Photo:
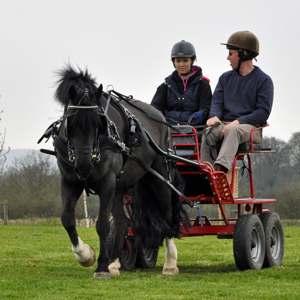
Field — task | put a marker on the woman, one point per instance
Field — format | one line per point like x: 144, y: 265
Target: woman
x: 185, y: 96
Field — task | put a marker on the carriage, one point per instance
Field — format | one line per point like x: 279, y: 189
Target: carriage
x: 107, y: 143
x: 257, y: 233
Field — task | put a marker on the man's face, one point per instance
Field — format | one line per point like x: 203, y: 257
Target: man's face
x: 233, y: 57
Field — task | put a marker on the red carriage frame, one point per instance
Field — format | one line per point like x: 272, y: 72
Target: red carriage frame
x: 258, y: 238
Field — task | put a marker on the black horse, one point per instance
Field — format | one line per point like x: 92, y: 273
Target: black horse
x: 106, y: 146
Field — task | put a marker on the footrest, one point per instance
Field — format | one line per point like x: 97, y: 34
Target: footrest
x: 221, y: 186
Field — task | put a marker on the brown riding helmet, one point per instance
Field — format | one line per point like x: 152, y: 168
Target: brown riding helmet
x: 245, y: 40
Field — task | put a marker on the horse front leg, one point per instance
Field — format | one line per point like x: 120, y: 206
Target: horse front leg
x: 103, y: 226
x: 84, y: 254
x: 170, y: 266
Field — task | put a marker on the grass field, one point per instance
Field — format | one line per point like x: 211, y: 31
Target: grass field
x: 36, y: 262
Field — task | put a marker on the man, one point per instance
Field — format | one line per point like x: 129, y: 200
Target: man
x: 241, y: 102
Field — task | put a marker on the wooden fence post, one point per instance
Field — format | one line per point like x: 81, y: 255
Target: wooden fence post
x: 87, y: 220
x: 5, y: 212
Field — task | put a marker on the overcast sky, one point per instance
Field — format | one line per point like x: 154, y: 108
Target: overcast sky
x: 127, y: 43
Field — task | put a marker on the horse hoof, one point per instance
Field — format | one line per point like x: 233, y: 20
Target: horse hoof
x: 91, y: 260
x: 170, y: 271
x: 102, y: 275
x: 114, y: 271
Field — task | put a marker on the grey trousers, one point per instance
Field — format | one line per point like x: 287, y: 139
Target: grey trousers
x: 234, y: 136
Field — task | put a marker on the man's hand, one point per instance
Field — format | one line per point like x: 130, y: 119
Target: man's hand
x: 212, y: 121
x: 227, y: 126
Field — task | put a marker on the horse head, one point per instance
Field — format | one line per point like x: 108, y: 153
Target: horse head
x: 84, y: 123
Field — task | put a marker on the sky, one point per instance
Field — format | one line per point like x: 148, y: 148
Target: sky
x: 127, y: 44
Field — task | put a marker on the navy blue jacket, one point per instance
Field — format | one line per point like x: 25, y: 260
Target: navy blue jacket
x: 177, y: 103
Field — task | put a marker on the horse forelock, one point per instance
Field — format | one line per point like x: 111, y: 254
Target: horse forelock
x: 69, y: 77
x: 86, y: 120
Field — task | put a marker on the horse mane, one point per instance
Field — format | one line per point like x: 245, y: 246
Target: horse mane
x: 68, y: 77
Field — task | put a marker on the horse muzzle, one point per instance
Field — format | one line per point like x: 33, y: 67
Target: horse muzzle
x: 84, y: 159
x: 83, y: 166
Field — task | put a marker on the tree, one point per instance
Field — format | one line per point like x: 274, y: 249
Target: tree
x: 32, y: 187
x: 294, y: 151
x: 271, y: 171
x: 288, y: 201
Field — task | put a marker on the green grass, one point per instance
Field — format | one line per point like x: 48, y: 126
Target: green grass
x: 36, y: 262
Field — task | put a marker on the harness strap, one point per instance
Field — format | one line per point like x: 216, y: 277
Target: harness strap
x: 152, y: 171
x: 87, y: 189
x: 125, y: 98
x: 218, y: 145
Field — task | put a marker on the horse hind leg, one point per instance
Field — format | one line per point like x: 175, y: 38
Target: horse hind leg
x: 159, y: 191
x: 120, y: 223
x: 170, y: 266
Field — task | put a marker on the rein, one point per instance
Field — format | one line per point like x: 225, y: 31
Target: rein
x: 127, y: 100
x: 114, y: 138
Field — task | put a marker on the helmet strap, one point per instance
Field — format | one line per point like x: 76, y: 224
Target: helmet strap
x: 244, y: 57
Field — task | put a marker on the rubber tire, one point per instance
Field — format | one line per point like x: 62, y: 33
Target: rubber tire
x: 249, y: 243
x: 146, y: 258
x: 128, y: 256
x: 274, y: 234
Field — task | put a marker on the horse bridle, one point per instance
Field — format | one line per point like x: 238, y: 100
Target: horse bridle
x: 94, y: 149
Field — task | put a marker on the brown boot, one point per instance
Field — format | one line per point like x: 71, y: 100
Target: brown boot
x: 220, y: 168
x: 210, y: 165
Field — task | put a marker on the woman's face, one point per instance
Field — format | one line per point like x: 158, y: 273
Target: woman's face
x: 183, y: 65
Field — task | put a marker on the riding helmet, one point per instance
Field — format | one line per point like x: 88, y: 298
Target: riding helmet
x: 183, y: 49
x: 244, y: 40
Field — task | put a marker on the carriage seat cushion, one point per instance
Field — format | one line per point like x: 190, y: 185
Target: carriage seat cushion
x: 183, y: 129
x: 183, y: 151
x: 247, y: 146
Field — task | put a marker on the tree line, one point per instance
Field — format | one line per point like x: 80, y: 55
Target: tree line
x: 32, y: 184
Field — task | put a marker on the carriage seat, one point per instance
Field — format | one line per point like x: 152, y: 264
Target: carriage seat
x: 251, y: 147
x: 185, y: 140
x: 247, y: 147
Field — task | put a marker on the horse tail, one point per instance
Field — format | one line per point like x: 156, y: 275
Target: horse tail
x: 148, y: 224
x: 180, y: 215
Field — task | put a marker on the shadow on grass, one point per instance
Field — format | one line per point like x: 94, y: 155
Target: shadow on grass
x: 208, y: 269
x: 196, y: 269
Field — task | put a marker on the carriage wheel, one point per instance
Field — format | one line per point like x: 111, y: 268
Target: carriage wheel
x: 128, y: 255
x: 146, y: 258
x: 274, y: 239
x: 249, y: 242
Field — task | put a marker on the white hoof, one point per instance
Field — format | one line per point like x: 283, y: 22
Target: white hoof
x: 170, y: 271
x: 114, y: 267
x: 91, y: 260
x: 84, y: 253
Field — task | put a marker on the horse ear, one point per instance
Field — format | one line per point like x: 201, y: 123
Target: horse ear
x: 99, y: 91
x: 72, y: 92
